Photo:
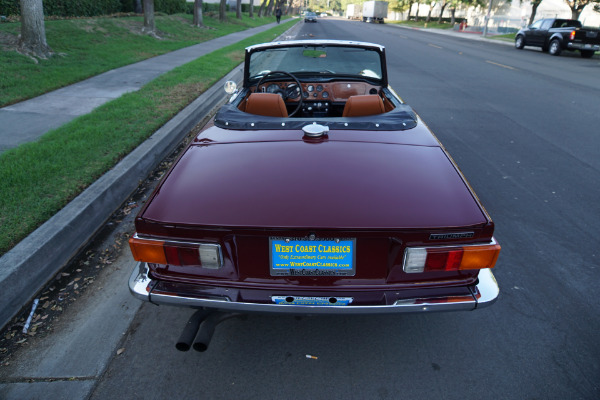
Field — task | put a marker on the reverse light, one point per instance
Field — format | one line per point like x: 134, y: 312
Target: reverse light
x: 207, y: 255
x: 450, y: 258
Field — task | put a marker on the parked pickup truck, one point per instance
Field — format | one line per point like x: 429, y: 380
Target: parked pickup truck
x: 554, y: 35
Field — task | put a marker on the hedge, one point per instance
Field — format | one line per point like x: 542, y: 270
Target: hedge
x: 207, y: 7
x: 90, y: 8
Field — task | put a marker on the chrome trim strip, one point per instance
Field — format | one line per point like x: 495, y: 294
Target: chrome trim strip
x: 487, y: 289
x: 317, y: 42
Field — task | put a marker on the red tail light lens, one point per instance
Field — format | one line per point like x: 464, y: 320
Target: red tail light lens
x: 207, y: 255
x: 450, y: 258
x: 573, y: 35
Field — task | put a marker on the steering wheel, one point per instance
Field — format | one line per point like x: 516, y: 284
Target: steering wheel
x: 287, y: 93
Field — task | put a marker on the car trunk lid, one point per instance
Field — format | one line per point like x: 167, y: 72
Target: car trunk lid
x: 326, y: 185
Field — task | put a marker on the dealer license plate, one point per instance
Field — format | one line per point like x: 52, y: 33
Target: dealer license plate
x: 319, y: 257
x: 312, y: 301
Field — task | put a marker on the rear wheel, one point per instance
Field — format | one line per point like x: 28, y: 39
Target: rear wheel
x: 519, y: 42
x: 554, y: 48
x: 587, y: 53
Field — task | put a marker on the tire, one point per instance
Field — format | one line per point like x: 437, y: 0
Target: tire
x: 554, y: 48
x: 587, y: 53
x: 519, y: 42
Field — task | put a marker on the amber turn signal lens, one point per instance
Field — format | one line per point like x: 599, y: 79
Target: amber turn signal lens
x: 479, y: 257
x: 150, y: 251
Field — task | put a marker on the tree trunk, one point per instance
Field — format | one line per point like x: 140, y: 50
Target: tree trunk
x: 238, y: 9
x: 198, y: 18
x: 262, y: 7
x: 149, y: 26
x: 137, y: 7
x: 417, y: 14
x: 33, y: 31
x: 251, y: 9
x: 222, y: 9
x: 428, y: 16
x: 534, y: 6
x: 442, y: 13
x: 270, y: 8
x: 452, y: 13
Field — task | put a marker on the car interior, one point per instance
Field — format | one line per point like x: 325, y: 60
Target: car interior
x: 334, y: 99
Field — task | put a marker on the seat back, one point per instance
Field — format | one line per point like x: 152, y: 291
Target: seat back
x: 266, y: 104
x: 358, y: 106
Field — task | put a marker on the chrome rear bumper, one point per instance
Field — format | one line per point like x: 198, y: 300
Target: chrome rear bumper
x: 484, y: 294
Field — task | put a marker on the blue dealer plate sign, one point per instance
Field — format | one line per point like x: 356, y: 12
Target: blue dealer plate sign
x: 319, y: 257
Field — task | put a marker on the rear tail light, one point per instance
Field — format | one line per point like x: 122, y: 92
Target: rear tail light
x: 450, y: 258
x: 573, y: 35
x: 207, y: 255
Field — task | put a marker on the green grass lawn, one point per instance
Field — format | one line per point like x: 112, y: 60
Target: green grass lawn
x: 421, y: 24
x: 89, y: 46
x: 37, y: 179
x: 508, y: 37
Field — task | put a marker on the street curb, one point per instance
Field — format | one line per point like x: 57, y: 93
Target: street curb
x: 26, y: 268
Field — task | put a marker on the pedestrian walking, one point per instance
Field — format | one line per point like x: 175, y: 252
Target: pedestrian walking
x: 278, y: 14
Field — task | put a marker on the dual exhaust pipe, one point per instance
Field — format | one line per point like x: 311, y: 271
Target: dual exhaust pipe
x: 199, y: 330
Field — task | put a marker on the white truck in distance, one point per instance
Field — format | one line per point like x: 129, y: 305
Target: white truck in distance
x: 353, y: 11
x: 375, y: 11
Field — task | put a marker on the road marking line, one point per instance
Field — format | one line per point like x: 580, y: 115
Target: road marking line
x: 500, y: 65
x: 437, y: 47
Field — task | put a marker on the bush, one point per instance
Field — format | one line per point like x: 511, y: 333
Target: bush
x: 10, y: 7
x: 170, y: 6
x: 436, y: 18
x: 206, y: 8
x: 128, y: 6
x: 246, y: 8
x: 91, y: 8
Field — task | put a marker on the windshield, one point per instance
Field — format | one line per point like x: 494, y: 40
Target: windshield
x: 317, y: 60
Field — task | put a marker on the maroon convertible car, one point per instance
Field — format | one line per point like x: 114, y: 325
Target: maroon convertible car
x: 316, y: 190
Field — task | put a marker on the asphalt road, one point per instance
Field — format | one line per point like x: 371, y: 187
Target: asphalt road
x: 523, y: 126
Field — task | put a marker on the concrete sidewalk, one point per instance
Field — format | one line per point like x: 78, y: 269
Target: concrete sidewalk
x: 27, y: 121
x: 26, y: 268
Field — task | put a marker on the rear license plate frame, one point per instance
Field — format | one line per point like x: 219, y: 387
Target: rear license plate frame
x: 312, y: 257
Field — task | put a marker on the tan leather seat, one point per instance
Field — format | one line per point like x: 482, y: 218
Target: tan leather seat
x: 358, y: 106
x: 266, y: 104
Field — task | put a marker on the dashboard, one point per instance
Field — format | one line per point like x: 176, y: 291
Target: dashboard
x: 328, y: 91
